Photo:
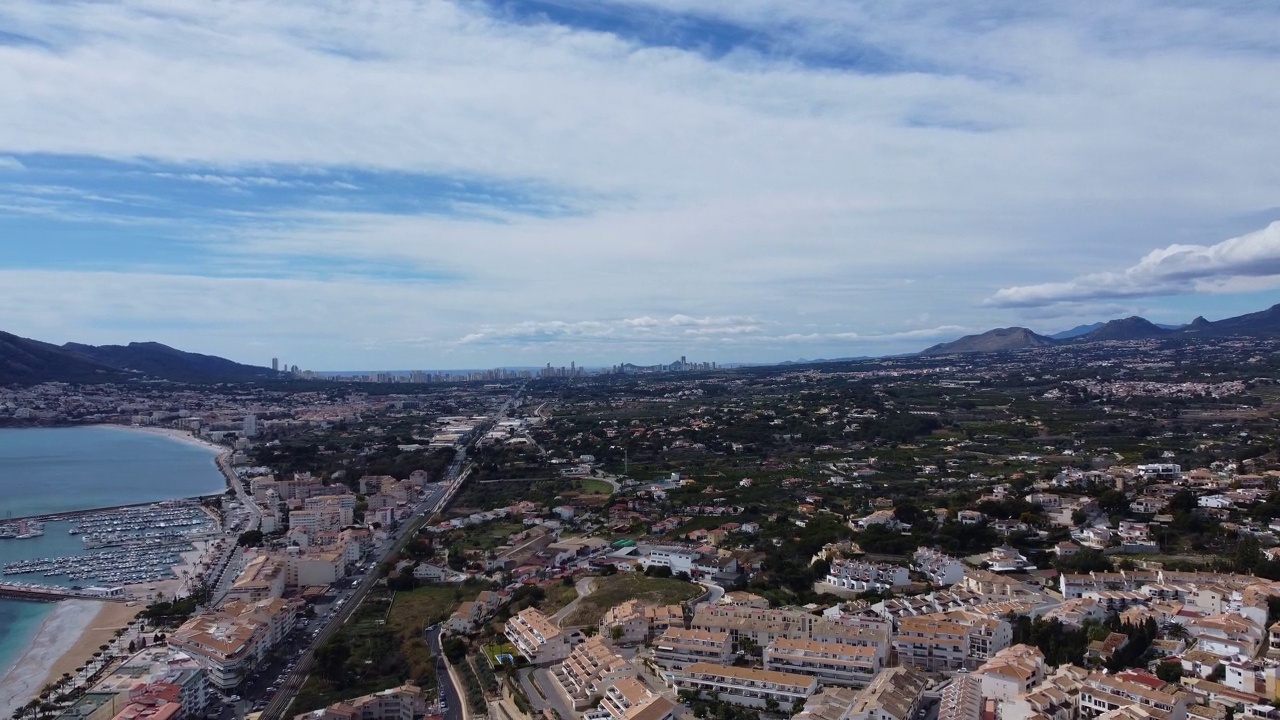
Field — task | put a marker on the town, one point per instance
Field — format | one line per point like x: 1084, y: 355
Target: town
x: 1062, y: 533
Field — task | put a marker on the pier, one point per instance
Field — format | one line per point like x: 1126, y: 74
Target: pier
x: 72, y: 515
x: 51, y: 593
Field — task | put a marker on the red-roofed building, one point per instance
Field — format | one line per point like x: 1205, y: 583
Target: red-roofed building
x: 157, y: 701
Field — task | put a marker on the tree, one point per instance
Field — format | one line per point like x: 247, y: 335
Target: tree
x: 331, y: 660
x: 455, y: 650
x: 250, y: 538
x: 1113, y: 502
x: 1169, y: 671
x: 1248, y: 555
x: 615, y: 633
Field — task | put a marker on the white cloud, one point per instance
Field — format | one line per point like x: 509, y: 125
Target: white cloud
x: 825, y: 204
x: 10, y: 163
x: 1242, y: 264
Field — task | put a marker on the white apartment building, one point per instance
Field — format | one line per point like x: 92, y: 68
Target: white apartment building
x: 761, y: 627
x: 161, y: 664
x: 961, y: 699
x: 231, y: 642
x: 263, y: 577
x: 748, y: 687
x: 635, y: 622
x: 950, y: 641
x: 941, y: 569
x: 406, y: 702
x: 538, y: 638
x: 1101, y: 693
x: 678, y: 648
x: 629, y: 699
x: 590, y: 668
x: 832, y: 663
x: 1011, y: 672
x: 862, y: 576
x: 314, y: 568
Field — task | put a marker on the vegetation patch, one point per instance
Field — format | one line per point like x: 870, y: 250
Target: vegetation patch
x: 617, y: 589
x: 592, y: 486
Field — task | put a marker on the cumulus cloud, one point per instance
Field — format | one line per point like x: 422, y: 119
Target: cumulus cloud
x: 1241, y: 263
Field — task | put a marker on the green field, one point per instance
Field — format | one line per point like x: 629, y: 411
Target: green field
x: 617, y: 589
x: 414, y: 610
x: 591, y: 486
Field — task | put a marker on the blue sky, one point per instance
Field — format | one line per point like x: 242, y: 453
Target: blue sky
x: 453, y: 184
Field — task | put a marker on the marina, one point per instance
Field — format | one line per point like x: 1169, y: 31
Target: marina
x: 124, y: 546
x: 22, y: 530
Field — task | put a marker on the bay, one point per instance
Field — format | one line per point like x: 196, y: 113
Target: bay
x: 55, y: 470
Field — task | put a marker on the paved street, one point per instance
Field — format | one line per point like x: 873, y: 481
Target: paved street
x: 293, y: 680
x: 448, y: 691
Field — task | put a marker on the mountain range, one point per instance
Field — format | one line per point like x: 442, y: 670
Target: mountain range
x: 24, y: 361
x: 1265, y: 323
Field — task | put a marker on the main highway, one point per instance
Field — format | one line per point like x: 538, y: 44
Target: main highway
x: 434, y: 502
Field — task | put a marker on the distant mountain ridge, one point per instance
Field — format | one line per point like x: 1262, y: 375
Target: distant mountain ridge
x: 1076, y: 331
x: 1130, y: 328
x: 998, y: 340
x: 1264, y: 323
x: 27, y: 361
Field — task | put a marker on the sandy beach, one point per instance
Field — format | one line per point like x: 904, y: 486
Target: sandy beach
x: 77, y: 628
x: 100, y: 631
x: 68, y: 628
x: 175, y: 434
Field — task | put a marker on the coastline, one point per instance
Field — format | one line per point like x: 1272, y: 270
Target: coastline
x: 69, y: 636
x: 183, y: 436
x: 99, y: 631
x: 65, y: 630
x: 75, y: 629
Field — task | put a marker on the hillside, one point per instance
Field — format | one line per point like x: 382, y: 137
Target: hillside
x: 25, y: 361
x: 1076, y: 331
x: 999, y: 340
x: 161, y: 361
x: 1264, y: 323
x: 1130, y: 328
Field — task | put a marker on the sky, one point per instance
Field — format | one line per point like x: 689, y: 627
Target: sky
x: 450, y: 184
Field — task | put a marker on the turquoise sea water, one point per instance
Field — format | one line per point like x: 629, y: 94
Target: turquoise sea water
x: 48, y: 470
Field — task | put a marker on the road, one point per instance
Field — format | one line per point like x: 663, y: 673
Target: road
x: 434, y: 502
x: 449, y: 692
x: 585, y: 587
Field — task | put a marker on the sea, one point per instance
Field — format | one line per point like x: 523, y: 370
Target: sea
x: 53, y: 470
